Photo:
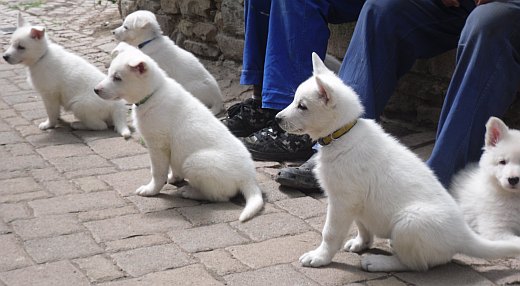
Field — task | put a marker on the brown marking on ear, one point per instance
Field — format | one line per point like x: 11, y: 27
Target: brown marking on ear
x: 37, y: 33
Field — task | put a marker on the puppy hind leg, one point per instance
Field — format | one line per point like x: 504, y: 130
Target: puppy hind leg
x: 382, y: 263
x: 362, y: 241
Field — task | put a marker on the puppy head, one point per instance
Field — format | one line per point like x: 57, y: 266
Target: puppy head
x: 28, y: 44
x: 132, y: 76
x: 138, y: 27
x: 321, y: 105
x: 501, y: 157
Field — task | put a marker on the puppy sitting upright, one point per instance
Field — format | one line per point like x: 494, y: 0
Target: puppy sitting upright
x: 378, y: 183
x: 489, y: 193
x: 141, y: 29
x: 181, y: 134
x: 64, y: 79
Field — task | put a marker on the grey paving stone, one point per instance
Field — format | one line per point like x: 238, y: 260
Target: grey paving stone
x: 62, y: 247
x: 21, y: 149
x: 316, y: 222
x: 77, y: 203
x: 10, y: 138
x: 272, y: 190
x: 111, y: 148
x: 89, y: 136
x: 46, y: 174
x: 141, y: 261
x: 91, y: 184
x: 499, y: 274
x: 221, y: 262
x: 68, y: 164
x: 132, y: 162
x: 90, y: 172
x: 106, y: 213
x: 18, y: 185
x: 449, y: 274
x: 64, y: 151
x: 211, y: 213
x: 24, y: 197
x: 415, y: 140
x: 12, y: 255
x: 275, y: 251
x: 99, y: 268
x: 47, y: 226
x: 190, y: 275
x: 61, y: 187
x: 27, y: 130
x: 280, y: 275
x: 162, y: 201
x: 206, y: 238
x: 424, y: 152
x: 4, y: 228
x: 127, y: 182
x: 134, y: 242
x: 271, y: 226
x: 136, y: 224
x: 10, y: 212
x: 22, y: 163
x: 52, y: 138
x: 60, y: 273
x: 304, y: 207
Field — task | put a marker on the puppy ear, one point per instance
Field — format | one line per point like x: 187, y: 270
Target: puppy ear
x: 21, y: 20
x: 323, y: 90
x: 138, y: 65
x: 496, y: 130
x: 141, y: 22
x: 37, y: 33
x: 318, y: 66
x: 115, y: 52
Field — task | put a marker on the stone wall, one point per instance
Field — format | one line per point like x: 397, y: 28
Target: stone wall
x: 214, y: 29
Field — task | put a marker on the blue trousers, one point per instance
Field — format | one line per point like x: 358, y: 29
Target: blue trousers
x: 391, y: 34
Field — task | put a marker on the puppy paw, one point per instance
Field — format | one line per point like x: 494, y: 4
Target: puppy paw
x: 356, y: 245
x: 77, y: 125
x: 315, y: 258
x: 147, y: 190
x: 126, y: 133
x: 382, y: 263
x: 46, y: 125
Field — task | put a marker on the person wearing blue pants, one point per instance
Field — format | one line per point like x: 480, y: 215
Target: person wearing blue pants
x: 280, y: 36
x: 391, y: 34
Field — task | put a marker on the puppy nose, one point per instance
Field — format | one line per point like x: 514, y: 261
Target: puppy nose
x: 97, y: 90
x: 6, y: 57
x: 278, y: 119
x: 513, y: 180
x: 113, y: 32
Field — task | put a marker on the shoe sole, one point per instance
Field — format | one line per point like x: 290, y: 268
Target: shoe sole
x: 279, y: 157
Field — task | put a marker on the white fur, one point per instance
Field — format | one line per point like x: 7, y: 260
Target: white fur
x: 179, y: 64
x: 373, y: 180
x: 181, y: 134
x: 491, y: 204
x: 64, y: 79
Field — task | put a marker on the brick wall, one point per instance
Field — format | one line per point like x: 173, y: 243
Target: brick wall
x: 214, y: 29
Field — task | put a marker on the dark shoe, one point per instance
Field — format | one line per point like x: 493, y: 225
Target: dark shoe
x: 247, y: 117
x: 299, y: 177
x: 274, y: 144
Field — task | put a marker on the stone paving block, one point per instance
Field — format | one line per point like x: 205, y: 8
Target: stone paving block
x: 60, y: 273
x: 10, y: 212
x: 52, y: 138
x: 271, y: 226
x: 136, y: 224
x: 273, y: 192
x: 4, y: 228
x: 134, y: 242
x: 449, y: 274
x: 133, y: 162
x: 63, y: 151
x: 99, y: 268
x: 221, y: 262
x: 24, y: 197
x: 47, y: 226
x: 61, y: 188
x: 499, y: 274
x: 117, y: 147
x: 275, y: 251
x: 38, y: 115
x: 91, y: 184
x: 10, y: 138
x: 21, y: 149
x: 415, y: 140
x: 79, y: 163
x: 385, y: 281
x: 90, y: 135
x: 46, y: 174
x: 280, y: 275
x: 424, y: 152
x: 12, y: 255
x: 28, y: 162
x: 141, y: 261
x: 192, y: 275
x: 304, y: 207
x: 76, y: 203
x: 106, y: 213
x: 316, y: 222
x: 90, y: 172
x: 27, y: 130
x: 127, y: 182
x: 62, y: 247
x: 211, y: 213
x: 206, y: 238
x: 160, y: 202
x: 344, y: 269
x: 18, y: 185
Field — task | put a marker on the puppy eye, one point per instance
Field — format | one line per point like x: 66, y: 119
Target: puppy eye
x: 302, y: 107
x: 125, y: 27
x: 502, y: 162
x: 20, y: 47
x: 116, y: 78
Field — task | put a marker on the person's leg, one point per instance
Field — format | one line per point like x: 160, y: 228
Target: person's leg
x: 296, y: 29
x: 484, y: 84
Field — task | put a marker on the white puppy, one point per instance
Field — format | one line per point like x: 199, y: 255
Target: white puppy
x: 373, y: 180
x: 181, y: 134
x: 489, y: 194
x: 141, y: 29
x: 64, y: 79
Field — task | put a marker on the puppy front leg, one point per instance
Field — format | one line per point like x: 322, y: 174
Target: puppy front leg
x: 52, y: 106
x: 160, y: 160
x: 336, y: 228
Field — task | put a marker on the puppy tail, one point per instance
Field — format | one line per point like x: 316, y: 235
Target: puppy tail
x: 477, y: 246
x: 119, y: 118
x: 254, y: 201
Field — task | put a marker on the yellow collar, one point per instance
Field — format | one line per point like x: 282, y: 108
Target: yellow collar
x: 336, y: 134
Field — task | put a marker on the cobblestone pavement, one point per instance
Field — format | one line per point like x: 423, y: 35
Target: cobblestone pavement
x: 69, y: 215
